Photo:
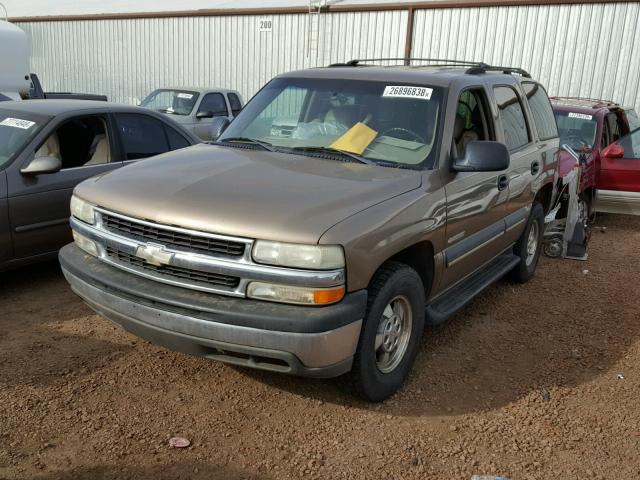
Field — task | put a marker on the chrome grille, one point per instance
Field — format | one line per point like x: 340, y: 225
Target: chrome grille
x: 172, y: 238
x: 172, y: 271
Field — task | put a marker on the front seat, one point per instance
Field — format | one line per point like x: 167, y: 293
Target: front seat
x: 461, y: 136
x: 50, y: 148
x: 99, y: 151
x: 345, y: 115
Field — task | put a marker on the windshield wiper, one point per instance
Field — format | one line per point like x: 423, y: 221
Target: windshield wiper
x: 265, y: 145
x: 335, y: 151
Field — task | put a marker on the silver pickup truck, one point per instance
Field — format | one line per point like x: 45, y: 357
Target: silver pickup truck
x: 323, y: 248
x: 195, y: 108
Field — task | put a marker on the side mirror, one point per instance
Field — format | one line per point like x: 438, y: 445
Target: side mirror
x: 204, y: 114
x: 615, y: 150
x: 218, y: 126
x: 40, y: 165
x: 483, y: 156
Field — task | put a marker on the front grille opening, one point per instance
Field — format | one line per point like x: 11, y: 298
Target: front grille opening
x: 214, y: 279
x: 171, y: 238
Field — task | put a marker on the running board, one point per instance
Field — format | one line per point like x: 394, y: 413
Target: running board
x: 458, y: 296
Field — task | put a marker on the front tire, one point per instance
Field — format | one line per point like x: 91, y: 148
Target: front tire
x: 391, y: 332
x: 529, y: 245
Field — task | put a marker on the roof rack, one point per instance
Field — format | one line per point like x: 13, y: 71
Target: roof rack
x: 475, y: 68
x: 599, y: 103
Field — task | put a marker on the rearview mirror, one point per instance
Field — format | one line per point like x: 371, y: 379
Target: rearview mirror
x: 204, y: 114
x: 615, y: 150
x: 40, y: 165
x: 483, y: 156
x: 218, y: 126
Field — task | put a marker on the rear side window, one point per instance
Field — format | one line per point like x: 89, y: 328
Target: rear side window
x: 141, y: 136
x: 236, y: 104
x: 214, y: 103
x: 541, y: 110
x: 176, y: 140
x: 512, y: 118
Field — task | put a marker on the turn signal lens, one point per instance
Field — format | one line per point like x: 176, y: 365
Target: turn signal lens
x: 85, y: 244
x: 295, y: 295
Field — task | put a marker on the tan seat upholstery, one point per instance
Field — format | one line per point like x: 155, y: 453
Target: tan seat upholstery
x: 462, y: 137
x: 50, y: 148
x: 100, y: 149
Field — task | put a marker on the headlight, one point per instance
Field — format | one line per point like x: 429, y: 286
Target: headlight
x: 313, y: 257
x: 85, y: 244
x: 82, y: 210
x: 298, y: 295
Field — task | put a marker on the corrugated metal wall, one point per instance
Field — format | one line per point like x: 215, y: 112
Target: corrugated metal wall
x: 580, y: 49
x: 589, y: 50
x: 126, y: 59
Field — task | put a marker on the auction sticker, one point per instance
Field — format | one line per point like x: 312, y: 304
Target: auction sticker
x: 185, y: 95
x: 17, y: 123
x: 405, y: 91
x: 583, y: 116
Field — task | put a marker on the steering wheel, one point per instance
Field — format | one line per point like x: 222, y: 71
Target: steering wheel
x: 405, y: 130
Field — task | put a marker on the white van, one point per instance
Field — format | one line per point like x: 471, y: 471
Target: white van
x: 14, y: 61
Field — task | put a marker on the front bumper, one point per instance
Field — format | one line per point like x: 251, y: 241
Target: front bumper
x: 308, y: 341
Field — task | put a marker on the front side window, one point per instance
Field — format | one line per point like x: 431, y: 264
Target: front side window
x: 141, y: 136
x: 631, y: 145
x: 578, y: 130
x: 214, y: 104
x: 16, y: 130
x: 541, y: 110
x: 78, y: 143
x: 471, y: 122
x: 632, y: 118
x: 174, y: 102
x: 514, y: 124
x: 393, y: 125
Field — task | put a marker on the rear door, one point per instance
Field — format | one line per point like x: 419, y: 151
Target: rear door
x: 619, y: 176
x: 212, y: 105
x: 39, y: 204
x: 526, y: 160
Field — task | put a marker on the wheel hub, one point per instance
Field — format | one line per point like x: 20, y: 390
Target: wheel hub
x: 393, y: 334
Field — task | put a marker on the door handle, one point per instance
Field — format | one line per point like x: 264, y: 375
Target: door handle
x: 503, y: 182
x: 535, y: 167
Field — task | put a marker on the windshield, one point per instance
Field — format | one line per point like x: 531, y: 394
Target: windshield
x: 175, y: 102
x: 16, y: 129
x: 578, y: 130
x: 385, y: 123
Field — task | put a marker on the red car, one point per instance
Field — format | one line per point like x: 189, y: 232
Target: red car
x: 606, y: 138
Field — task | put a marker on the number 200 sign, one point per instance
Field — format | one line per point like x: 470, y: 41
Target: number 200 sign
x: 265, y: 25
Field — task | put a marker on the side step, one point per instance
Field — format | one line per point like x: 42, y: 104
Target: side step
x: 459, y: 295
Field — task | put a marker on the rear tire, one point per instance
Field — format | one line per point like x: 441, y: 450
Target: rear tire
x: 529, y: 246
x: 391, y: 332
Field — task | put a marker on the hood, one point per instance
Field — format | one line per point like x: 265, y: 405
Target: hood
x: 246, y: 193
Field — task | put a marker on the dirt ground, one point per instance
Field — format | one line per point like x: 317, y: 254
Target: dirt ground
x: 536, y: 381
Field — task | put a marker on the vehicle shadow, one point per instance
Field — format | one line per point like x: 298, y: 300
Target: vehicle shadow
x: 180, y: 470
x: 562, y: 329
x: 46, y: 333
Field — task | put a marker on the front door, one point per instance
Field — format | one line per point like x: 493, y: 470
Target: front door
x: 619, y: 176
x: 476, y: 201
x: 39, y: 204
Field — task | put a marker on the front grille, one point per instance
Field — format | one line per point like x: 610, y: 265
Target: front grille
x: 171, y: 238
x: 173, y: 271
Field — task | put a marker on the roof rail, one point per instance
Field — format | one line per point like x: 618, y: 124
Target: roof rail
x: 474, y: 67
x: 598, y: 101
x: 441, y: 61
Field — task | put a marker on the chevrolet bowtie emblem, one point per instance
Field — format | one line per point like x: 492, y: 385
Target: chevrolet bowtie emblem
x: 154, y: 254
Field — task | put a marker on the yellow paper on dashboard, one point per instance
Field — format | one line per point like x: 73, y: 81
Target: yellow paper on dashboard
x: 356, y: 139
